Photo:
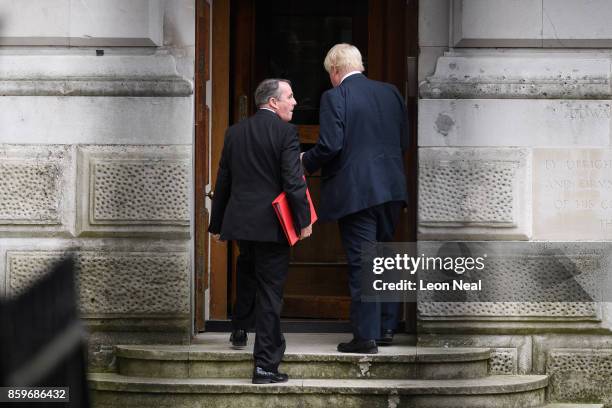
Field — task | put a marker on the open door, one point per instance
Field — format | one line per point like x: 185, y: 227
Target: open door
x: 289, y: 39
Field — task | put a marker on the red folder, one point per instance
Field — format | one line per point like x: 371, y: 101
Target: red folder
x: 283, y: 212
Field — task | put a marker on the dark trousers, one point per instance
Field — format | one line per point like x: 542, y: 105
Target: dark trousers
x: 374, y: 224
x: 261, y: 275
x: 243, y: 314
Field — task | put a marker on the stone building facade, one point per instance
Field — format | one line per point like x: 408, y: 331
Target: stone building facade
x: 97, y: 146
x: 96, y: 119
x: 514, y: 145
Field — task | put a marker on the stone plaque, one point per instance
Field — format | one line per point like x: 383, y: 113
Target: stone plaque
x: 572, y: 194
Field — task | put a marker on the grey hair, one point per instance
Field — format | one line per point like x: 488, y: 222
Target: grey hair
x: 268, y: 88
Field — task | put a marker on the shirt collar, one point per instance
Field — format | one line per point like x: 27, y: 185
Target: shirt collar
x: 268, y: 109
x: 348, y: 75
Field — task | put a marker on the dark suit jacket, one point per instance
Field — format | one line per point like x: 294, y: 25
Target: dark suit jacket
x: 260, y: 159
x: 363, y: 134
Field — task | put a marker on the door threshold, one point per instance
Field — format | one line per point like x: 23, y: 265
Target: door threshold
x: 290, y: 326
x: 296, y: 326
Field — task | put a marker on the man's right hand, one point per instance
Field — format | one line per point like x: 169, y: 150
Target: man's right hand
x: 306, y: 232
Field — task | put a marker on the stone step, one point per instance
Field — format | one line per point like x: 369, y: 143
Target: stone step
x: 114, y: 390
x: 570, y: 405
x: 307, y: 356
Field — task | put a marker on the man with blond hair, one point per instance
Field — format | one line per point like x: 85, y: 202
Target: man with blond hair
x: 363, y: 135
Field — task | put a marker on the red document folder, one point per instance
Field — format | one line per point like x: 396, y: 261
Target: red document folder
x: 283, y: 212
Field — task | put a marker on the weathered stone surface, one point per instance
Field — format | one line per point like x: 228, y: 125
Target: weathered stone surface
x: 516, y: 74
x: 495, y: 23
x: 35, y: 190
x: 75, y: 64
x: 48, y: 22
x: 115, y: 282
x: 434, y: 23
x: 96, y: 120
x: 580, y: 375
x: 523, y: 391
x: 572, y: 194
x: 512, y: 122
x: 160, y: 87
x: 503, y: 361
x: 577, y: 23
x: 544, y: 344
x: 78, y: 23
x: 88, y: 75
x: 305, y: 358
x: 510, y: 354
x: 102, y: 339
x: 116, y: 23
x: 134, y: 190
x: 531, y: 23
x: 501, y: 309
x: 468, y: 193
x: 428, y: 57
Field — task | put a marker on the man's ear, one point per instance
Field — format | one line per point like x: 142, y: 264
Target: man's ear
x: 273, y: 103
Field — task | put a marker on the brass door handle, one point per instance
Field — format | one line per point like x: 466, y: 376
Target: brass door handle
x: 210, y: 194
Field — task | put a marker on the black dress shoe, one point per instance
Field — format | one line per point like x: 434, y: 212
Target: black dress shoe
x: 238, y: 339
x: 386, y: 339
x: 261, y: 376
x: 358, y: 346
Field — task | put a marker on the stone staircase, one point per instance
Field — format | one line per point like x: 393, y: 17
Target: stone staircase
x: 210, y: 374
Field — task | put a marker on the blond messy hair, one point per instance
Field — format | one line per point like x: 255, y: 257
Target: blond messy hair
x: 344, y: 57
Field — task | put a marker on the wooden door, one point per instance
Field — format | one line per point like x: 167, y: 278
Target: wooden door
x: 289, y: 39
x: 202, y: 74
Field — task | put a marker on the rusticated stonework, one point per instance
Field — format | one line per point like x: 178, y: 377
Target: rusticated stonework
x: 134, y: 191
x: 466, y: 192
x: 502, y: 309
x: 124, y: 283
x: 29, y: 193
x: 35, y: 190
x: 580, y: 375
x: 140, y: 191
x: 503, y: 361
x: 474, y: 193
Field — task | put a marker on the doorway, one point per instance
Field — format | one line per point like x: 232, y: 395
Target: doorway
x: 289, y: 39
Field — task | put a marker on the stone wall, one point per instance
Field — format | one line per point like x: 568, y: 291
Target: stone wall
x: 514, y: 145
x: 96, y: 143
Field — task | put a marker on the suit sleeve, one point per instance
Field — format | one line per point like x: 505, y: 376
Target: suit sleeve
x: 331, y: 133
x: 294, y: 184
x: 223, y: 189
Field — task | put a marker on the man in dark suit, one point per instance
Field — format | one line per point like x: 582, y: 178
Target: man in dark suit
x: 363, y: 135
x: 260, y: 159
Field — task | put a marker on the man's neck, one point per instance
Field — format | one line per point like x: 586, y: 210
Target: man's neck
x: 268, y: 108
x: 348, y: 74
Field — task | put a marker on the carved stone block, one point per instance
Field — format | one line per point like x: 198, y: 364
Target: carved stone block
x: 580, y: 375
x: 113, y: 282
x: 474, y: 193
x: 508, y: 309
x: 135, y: 190
x: 572, y: 194
x: 503, y: 361
x: 35, y: 194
